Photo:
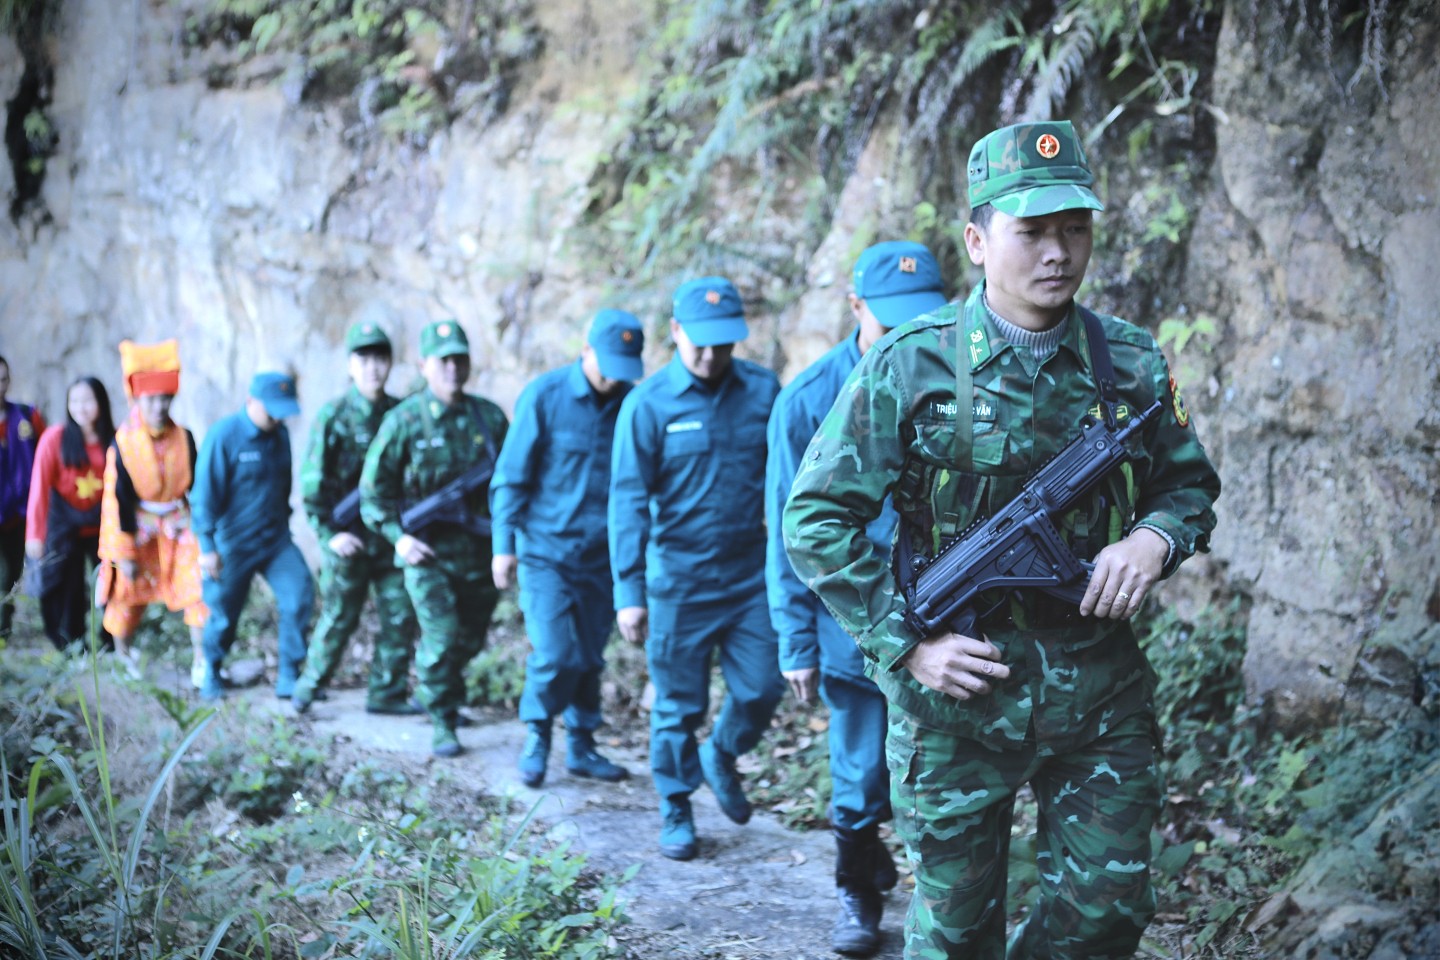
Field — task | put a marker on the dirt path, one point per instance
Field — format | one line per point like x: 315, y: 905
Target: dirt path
x: 757, y: 891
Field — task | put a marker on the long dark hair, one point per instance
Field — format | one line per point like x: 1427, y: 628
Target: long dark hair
x: 72, y: 441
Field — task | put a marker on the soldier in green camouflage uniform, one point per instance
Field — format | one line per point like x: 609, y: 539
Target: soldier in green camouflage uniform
x: 429, y: 439
x: 355, y: 559
x: 1050, y: 695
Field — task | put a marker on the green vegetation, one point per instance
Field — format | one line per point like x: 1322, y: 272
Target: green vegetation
x: 1245, y: 807
x: 134, y: 827
x: 766, y: 107
x: 404, y: 68
x: 15, y: 12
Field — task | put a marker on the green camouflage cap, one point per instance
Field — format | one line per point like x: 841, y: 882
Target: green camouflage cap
x: 1031, y: 169
x: 365, y: 334
x: 443, y: 338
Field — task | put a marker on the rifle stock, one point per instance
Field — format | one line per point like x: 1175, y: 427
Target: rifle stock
x: 1019, y: 546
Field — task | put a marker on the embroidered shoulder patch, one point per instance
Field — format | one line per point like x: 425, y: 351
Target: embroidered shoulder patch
x: 1177, y: 401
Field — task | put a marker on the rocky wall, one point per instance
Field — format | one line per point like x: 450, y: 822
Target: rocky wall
x: 1316, y: 248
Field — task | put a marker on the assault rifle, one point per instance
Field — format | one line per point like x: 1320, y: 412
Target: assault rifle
x: 1019, y: 546
x: 447, y: 505
x: 345, y: 514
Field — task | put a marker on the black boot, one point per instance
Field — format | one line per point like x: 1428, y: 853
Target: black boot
x: 857, y: 925
x: 883, y: 864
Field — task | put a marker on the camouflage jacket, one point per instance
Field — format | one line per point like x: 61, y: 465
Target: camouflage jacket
x: 893, y: 432
x: 334, y: 456
x: 422, y: 444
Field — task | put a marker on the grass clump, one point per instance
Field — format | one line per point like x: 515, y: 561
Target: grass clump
x: 135, y: 826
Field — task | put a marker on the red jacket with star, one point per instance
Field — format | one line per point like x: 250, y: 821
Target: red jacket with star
x: 78, y: 486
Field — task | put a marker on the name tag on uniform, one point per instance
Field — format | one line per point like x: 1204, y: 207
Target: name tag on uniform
x: 943, y: 409
x: 983, y: 411
x: 249, y: 456
x: 684, y: 426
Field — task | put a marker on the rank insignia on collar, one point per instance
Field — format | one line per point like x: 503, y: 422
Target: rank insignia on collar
x: 979, y: 346
x: 25, y: 431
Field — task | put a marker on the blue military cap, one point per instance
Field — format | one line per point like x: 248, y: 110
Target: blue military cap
x: 618, y: 341
x: 277, y: 392
x: 899, y: 280
x: 710, y: 312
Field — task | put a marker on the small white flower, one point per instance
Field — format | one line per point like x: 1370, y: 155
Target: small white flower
x: 234, y: 837
x: 364, y: 834
x: 301, y: 804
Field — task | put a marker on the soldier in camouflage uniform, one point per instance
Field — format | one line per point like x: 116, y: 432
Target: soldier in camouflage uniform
x: 355, y: 559
x: 1049, y: 695
x: 429, y: 439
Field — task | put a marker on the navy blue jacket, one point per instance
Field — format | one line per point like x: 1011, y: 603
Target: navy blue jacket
x: 551, y: 487
x: 687, y: 506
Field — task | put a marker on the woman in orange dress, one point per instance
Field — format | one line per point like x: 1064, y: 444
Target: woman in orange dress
x: 147, y: 549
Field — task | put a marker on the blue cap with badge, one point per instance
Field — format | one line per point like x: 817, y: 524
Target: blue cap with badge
x: 277, y: 392
x: 618, y: 341
x: 899, y: 280
x: 710, y: 312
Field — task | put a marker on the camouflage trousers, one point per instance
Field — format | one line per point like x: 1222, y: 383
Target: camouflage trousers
x: 453, y: 605
x: 344, y: 582
x: 954, y: 804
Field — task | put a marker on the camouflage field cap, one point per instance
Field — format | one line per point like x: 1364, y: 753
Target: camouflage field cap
x: 1031, y: 169
x: 365, y: 335
x: 443, y: 338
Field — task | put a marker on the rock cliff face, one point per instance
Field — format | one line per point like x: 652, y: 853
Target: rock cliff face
x: 1316, y: 248
x: 243, y: 220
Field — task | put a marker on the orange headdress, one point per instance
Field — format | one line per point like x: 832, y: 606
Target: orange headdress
x: 150, y: 368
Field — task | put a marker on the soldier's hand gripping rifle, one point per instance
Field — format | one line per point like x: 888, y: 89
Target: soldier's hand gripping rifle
x: 1019, y: 546
x: 447, y: 505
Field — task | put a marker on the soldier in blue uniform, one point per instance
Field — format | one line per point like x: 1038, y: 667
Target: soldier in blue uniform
x: 687, y: 548
x: 240, y: 511
x: 547, y: 506
x: 893, y: 282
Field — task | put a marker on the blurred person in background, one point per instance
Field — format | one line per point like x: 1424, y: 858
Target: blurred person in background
x: 62, y: 521
x: 20, y: 428
x: 241, y: 505
x: 147, y: 551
